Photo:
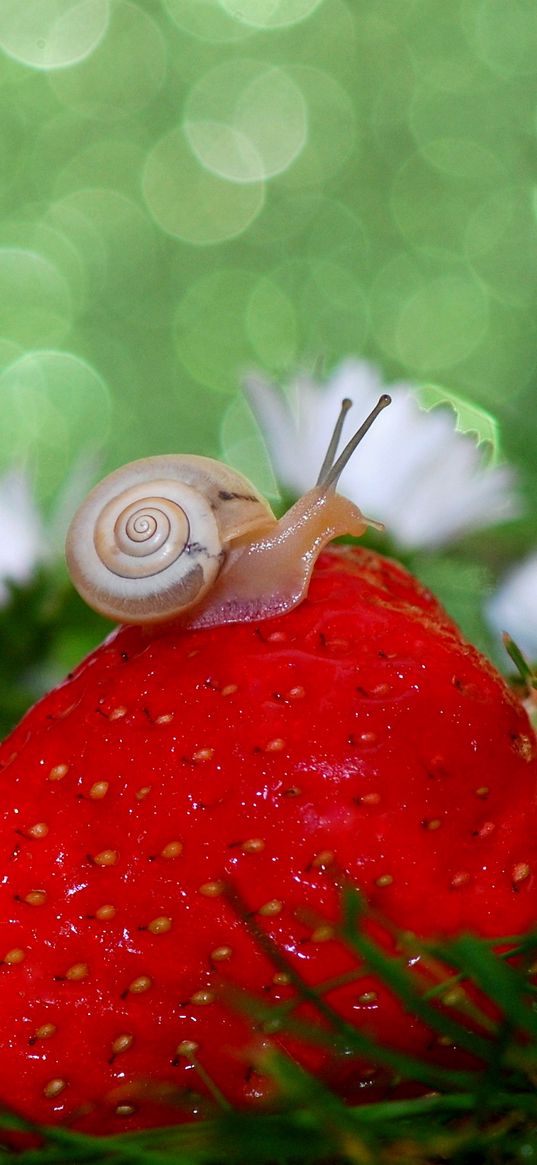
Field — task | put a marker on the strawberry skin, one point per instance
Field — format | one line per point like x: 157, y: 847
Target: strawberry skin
x: 357, y: 734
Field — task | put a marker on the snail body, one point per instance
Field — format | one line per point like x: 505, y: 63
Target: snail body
x: 271, y: 574
x: 150, y: 539
x: 182, y: 537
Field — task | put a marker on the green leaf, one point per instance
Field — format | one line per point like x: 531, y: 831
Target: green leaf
x: 527, y: 674
x: 503, y: 984
x: 471, y: 418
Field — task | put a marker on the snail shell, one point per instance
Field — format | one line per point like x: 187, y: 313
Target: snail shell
x: 187, y: 538
x: 150, y: 540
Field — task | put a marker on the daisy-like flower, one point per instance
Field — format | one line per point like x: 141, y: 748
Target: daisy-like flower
x: 23, y: 543
x: 414, y: 472
x: 513, y: 608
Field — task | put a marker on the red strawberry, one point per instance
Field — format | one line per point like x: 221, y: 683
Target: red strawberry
x: 357, y: 733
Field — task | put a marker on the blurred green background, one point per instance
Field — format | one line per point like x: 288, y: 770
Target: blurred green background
x: 194, y: 188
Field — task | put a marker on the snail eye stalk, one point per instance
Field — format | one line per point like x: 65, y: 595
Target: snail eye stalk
x: 328, y: 462
x: 330, y: 478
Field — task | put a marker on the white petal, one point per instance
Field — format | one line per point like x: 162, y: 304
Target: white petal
x: 279, y: 429
x: 22, y: 537
x: 514, y: 606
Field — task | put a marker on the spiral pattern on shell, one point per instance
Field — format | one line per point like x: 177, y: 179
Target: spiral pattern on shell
x: 150, y: 539
x: 137, y: 537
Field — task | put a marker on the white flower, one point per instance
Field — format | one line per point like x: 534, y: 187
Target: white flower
x: 22, y: 537
x: 413, y: 471
x: 513, y: 608
x: 25, y: 540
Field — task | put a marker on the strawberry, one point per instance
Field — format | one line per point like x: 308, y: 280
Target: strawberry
x: 357, y: 735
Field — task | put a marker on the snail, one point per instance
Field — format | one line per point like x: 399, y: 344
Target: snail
x: 182, y: 537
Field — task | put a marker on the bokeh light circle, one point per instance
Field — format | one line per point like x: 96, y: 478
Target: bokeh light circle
x: 52, y: 34
x: 429, y: 209
x: 337, y: 232
x: 127, y: 243
x: 38, y: 236
x: 8, y: 353
x: 442, y: 323
x: 246, y: 121
x: 287, y: 214
x: 428, y: 319
x: 210, y: 328
x: 501, y: 244
x: 334, y: 308
x: 465, y: 159
x: 394, y: 284
x: 270, y: 13
x: 68, y: 218
x: 35, y: 299
x: 206, y: 20
x: 123, y: 74
x: 225, y: 151
x: 271, y: 325
x: 191, y: 203
x: 116, y: 160
x: 438, y: 45
x: 392, y: 99
x: 476, y: 114
x: 506, y: 36
x: 332, y: 130
x: 54, y: 407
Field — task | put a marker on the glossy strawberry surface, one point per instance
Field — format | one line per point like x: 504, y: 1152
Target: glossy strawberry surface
x: 357, y: 736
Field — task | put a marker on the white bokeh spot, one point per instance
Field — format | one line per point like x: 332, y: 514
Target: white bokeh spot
x: 246, y: 121
x: 270, y: 13
x: 190, y: 202
x: 52, y: 34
